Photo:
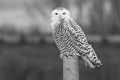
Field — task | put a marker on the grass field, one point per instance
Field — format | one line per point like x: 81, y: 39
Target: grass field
x: 42, y: 62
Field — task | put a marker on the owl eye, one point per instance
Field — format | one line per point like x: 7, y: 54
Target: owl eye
x: 64, y: 13
x: 56, y: 13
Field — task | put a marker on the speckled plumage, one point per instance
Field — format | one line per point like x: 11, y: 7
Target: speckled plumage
x: 71, y: 41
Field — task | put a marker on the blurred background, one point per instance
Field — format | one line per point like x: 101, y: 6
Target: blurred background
x: 28, y: 52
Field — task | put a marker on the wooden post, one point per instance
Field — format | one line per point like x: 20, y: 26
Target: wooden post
x: 70, y: 68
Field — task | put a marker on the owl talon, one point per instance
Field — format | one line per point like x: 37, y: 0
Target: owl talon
x: 61, y: 56
x: 68, y: 55
x: 64, y: 55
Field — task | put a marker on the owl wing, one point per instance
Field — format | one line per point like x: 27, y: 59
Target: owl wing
x: 81, y: 44
x: 77, y: 36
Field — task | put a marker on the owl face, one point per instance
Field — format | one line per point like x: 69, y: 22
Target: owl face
x: 60, y: 13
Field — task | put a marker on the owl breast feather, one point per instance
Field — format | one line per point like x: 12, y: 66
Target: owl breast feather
x: 62, y: 38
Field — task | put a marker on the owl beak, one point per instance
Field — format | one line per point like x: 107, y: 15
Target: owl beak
x: 60, y: 17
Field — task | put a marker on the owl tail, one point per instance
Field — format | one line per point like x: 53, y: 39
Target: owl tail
x: 97, y: 63
x: 87, y: 62
x: 91, y: 59
x: 91, y: 64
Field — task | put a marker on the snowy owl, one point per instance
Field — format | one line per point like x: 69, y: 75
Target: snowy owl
x: 70, y: 38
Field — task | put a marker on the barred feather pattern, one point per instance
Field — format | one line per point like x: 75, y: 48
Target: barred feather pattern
x: 70, y: 38
x: 63, y: 38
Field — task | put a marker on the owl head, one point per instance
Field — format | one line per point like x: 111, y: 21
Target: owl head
x: 60, y: 13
